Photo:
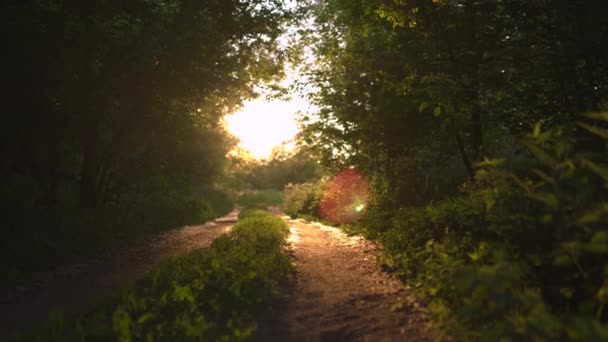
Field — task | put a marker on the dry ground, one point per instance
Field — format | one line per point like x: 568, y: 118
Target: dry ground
x: 341, y: 294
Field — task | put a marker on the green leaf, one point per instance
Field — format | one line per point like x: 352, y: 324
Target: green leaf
x: 562, y: 260
x: 598, y: 116
x: 540, y: 154
x: 594, y: 215
x: 602, y: 132
x: 598, y: 243
x: 437, y: 111
x: 547, y: 198
x: 601, y: 170
x: 536, y: 132
x: 423, y: 106
x: 144, y: 318
x: 495, y: 162
x: 544, y: 176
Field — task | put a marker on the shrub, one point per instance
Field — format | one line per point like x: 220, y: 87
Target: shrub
x: 303, y: 199
x: 252, y: 212
x: 521, y: 253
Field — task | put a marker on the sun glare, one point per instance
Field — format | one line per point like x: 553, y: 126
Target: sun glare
x: 261, y: 125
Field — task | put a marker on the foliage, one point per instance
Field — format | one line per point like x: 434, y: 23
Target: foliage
x: 519, y: 255
x: 276, y: 172
x: 114, y: 109
x: 414, y: 93
x: 261, y: 198
x: 303, y: 199
x: 140, y: 92
x: 212, y: 294
x: 503, y: 232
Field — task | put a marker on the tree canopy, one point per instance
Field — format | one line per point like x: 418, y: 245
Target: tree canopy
x: 407, y: 88
x: 107, y: 95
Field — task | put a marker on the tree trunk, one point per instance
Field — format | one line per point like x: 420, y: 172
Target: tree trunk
x: 465, y: 159
x: 90, y: 166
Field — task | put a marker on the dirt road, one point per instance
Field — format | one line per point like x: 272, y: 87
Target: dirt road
x: 76, y: 287
x: 340, y: 293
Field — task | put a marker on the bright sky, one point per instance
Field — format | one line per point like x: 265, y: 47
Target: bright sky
x: 263, y: 125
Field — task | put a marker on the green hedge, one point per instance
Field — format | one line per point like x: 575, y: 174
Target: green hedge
x: 302, y: 199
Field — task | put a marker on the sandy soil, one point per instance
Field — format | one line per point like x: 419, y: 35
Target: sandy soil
x: 340, y: 293
x: 75, y: 288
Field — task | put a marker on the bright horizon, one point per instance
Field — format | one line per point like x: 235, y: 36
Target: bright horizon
x: 262, y: 126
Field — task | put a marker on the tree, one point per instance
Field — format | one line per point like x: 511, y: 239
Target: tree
x: 109, y: 94
x: 406, y: 87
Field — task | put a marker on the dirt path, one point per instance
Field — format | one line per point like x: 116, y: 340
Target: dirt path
x: 76, y: 287
x: 342, y: 295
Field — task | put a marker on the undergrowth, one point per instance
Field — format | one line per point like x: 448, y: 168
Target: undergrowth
x: 261, y: 198
x: 212, y: 294
x: 518, y: 255
x: 45, y: 238
x: 521, y: 254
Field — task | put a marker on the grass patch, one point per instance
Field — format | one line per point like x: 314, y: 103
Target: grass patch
x: 252, y: 213
x: 216, y: 293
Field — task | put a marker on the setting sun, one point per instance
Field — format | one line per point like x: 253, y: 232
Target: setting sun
x: 261, y: 125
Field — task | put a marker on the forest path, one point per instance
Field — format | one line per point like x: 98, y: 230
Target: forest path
x: 75, y: 288
x: 341, y: 294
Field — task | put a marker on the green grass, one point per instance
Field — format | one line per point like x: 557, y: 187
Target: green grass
x: 217, y: 293
x: 252, y: 212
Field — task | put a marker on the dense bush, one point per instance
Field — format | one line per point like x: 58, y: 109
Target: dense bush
x: 211, y: 294
x: 303, y: 199
x: 521, y: 254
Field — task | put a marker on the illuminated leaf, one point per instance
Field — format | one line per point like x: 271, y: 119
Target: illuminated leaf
x: 601, y: 170
x: 598, y: 115
x: 437, y: 111
x: 423, y: 106
x: 602, y: 132
x: 536, y: 132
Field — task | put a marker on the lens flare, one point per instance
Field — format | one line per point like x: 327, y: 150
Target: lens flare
x: 345, y: 197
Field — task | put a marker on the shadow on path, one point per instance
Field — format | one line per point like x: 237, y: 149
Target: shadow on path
x: 75, y: 288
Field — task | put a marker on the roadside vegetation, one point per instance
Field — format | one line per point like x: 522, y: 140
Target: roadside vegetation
x: 211, y: 294
x: 518, y: 254
x: 261, y: 198
x: 484, y: 145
